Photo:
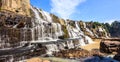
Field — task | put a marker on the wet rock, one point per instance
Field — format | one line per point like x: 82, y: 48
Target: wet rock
x: 21, y: 25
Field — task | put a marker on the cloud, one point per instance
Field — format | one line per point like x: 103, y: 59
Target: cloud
x: 65, y: 8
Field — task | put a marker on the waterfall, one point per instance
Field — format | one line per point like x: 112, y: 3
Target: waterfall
x: 37, y: 16
x: 106, y: 35
x: 70, y: 44
x: 62, y: 46
x: 88, y: 29
x: 47, y: 30
x: 46, y: 16
x: 33, y: 34
x: 81, y: 41
x: 77, y: 26
x: 11, y: 59
x: 88, y: 39
x: 60, y: 29
x: 51, y: 48
x: 100, y: 29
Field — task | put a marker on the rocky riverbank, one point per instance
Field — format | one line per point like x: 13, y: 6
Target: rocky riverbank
x: 76, y: 55
x: 90, y: 52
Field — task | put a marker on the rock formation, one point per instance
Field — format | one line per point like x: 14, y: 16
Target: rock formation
x: 110, y: 45
x: 16, y: 6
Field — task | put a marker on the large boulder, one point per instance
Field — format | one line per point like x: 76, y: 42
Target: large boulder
x: 109, y: 46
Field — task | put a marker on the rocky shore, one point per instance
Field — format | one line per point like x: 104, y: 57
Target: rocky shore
x: 78, y: 55
x: 87, y: 55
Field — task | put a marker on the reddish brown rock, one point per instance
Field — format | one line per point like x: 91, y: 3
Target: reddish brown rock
x: 110, y: 45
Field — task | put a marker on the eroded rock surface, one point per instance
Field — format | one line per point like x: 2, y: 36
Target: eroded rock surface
x: 109, y: 46
x: 17, y: 6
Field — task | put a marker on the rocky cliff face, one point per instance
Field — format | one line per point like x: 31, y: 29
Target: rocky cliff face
x: 16, y: 6
x: 42, y: 25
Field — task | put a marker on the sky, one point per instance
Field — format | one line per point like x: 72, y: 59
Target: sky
x: 86, y: 10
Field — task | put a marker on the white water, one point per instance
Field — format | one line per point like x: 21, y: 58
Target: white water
x: 60, y: 29
x: 12, y: 59
x: 51, y: 48
x: 61, y: 46
x: 46, y: 30
x: 46, y: 16
x: 106, y: 35
x: 82, y: 42
x: 88, y: 29
x: 38, y: 19
x: 76, y: 33
x: 100, y: 29
x: 32, y: 34
x: 88, y: 39
x: 103, y: 30
x: 78, y: 27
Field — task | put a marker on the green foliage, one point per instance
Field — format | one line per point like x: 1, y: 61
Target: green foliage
x: 106, y: 26
x: 95, y: 24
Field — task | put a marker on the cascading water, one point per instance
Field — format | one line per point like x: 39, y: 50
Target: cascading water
x: 88, y: 29
x: 49, y: 30
x: 71, y: 35
x: 46, y: 16
x: 59, y: 29
x: 103, y: 30
x: 80, y: 33
x: 78, y: 27
x: 51, y: 48
x: 88, y: 39
x: 45, y: 30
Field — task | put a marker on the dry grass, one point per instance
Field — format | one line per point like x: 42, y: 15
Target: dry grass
x: 91, y: 46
